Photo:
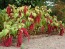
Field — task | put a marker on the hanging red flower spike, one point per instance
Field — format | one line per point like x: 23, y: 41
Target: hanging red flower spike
x: 38, y: 18
x: 42, y: 28
x: 25, y: 9
x: 31, y: 16
x: 3, y: 40
x: 55, y: 27
x: 61, y: 25
x: 25, y: 32
x: 52, y: 27
x: 8, y: 10
x: 49, y: 29
x: 19, y: 38
x: 51, y: 21
x: 8, y: 42
x: 62, y: 31
x: 31, y: 27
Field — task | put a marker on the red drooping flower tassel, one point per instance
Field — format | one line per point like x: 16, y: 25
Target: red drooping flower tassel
x: 3, y: 40
x: 25, y: 9
x: 61, y: 25
x: 8, y: 10
x: 19, y: 38
x: 25, y: 32
x: 54, y: 27
x: 31, y: 16
x: 38, y: 18
x: 49, y: 29
x: 62, y: 31
x: 31, y: 27
x: 8, y: 42
x: 42, y: 28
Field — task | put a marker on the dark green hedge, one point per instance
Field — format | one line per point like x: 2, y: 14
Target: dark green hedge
x: 33, y: 3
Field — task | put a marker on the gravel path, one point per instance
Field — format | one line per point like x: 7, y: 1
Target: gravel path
x: 43, y: 42
x: 47, y: 42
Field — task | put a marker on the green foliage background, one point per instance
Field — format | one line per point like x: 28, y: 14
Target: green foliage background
x: 33, y: 3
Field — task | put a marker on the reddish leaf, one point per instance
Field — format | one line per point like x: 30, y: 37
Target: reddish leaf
x: 23, y: 21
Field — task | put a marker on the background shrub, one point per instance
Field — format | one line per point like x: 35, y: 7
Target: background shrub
x: 33, y: 3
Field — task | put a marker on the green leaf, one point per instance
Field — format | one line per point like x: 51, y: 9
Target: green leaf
x: 27, y: 24
x: 22, y: 46
x: 16, y: 15
x: 1, y: 34
x: 13, y: 30
x: 4, y: 32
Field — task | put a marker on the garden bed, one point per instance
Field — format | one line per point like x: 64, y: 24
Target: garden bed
x: 19, y: 21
